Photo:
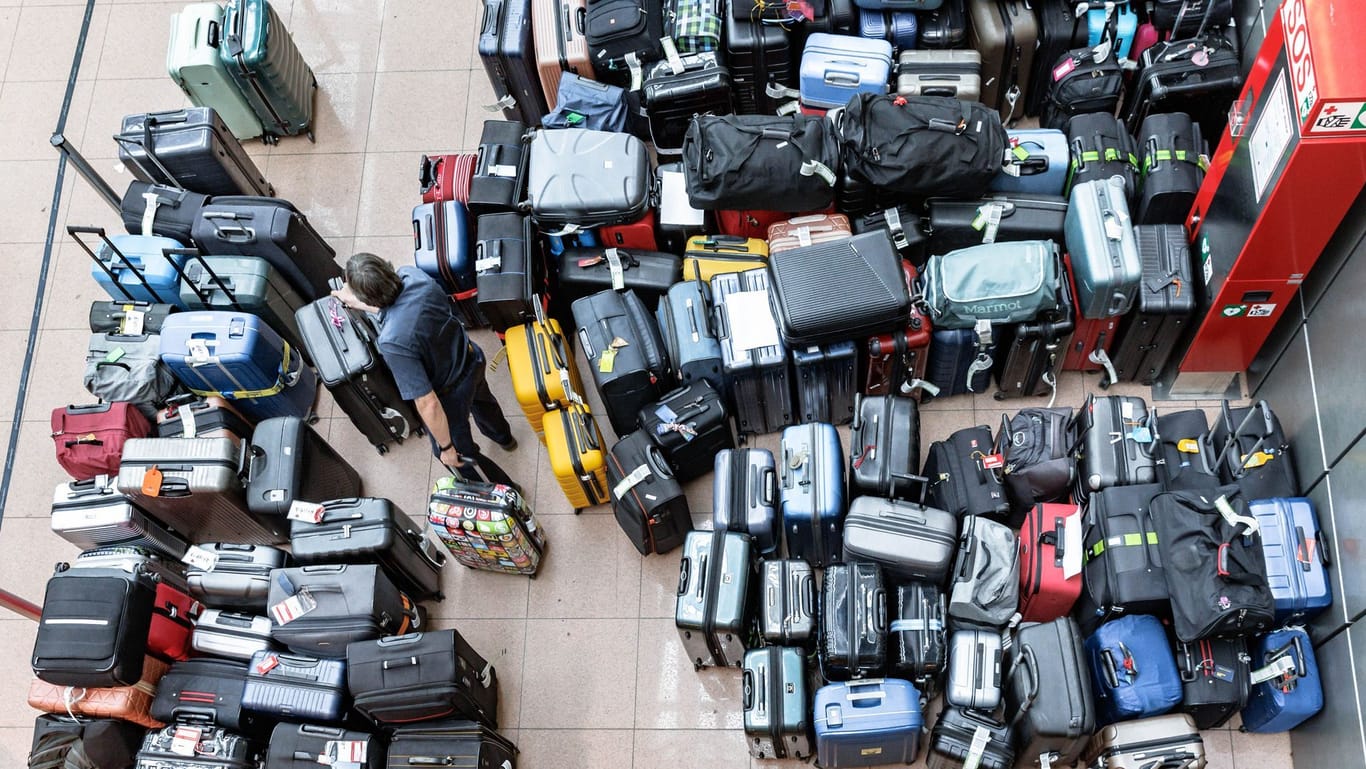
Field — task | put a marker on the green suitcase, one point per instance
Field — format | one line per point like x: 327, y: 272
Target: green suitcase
x: 268, y: 68
x: 194, y: 63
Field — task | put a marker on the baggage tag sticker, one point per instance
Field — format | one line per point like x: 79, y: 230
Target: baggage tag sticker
x: 980, y: 739
x: 993, y: 461
x: 200, y: 558
x: 185, y: 741
x: 614, y: 265
x: 1276, y: 669
x: 132, y: 322
x: 344, y: 754
x: 308, y: 512
x: 1072, y: 546
x: 188, y: 428
x: 1141, y: 434
x: 629, y: 482
x: 293, y: 607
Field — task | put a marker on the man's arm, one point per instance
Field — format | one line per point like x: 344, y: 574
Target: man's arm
x: 434, y: 417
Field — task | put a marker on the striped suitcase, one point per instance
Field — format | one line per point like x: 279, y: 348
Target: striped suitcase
x: 194, y: 63
x: 270, y: 72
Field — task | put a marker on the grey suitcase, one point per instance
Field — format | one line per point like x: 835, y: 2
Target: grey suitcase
x: 192, y: 149
x: 131, y: 560
x: 587, y: 178
x: 974, y: 669
x: 753, y: 355
x: 713, y: 585
x: 1100, y: 239
x: 774, y: 685
x: 825, y: 380
x: 245, y: 284
x: 909, y: 540
x: 230, y: 634
x: 352, y: 603
x: 1148, y: 743
x: 952, y: 73
x: 240, y: 577
x: 745, y: 496
x: 92, y: 513
x: 1006, y: 33
x: 986, y: 577
x: 1111, y: 454
x: 787, y: 597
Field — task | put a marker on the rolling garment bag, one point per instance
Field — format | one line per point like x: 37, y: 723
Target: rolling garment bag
x: 646, y: 497
x: 126, y: 703
x: 1061, y: 29
x: 586, y: 271
x: 1216, y: 677
x: 1115, y: 443
x: 190, y: 148
x: 867, y: 723
x: 1296, y: 559
x: 884, y: 446
x: 745, y: 496
x: 629, y: 376
x: 919, y: 645
x: 1081, y: 85
x: 240, y: 576
x: 101, y: 743
x: 274, y: 230
x: 1102, y: 147
x: 168, y: 212
x: 1171, y: 80
x: 956, y: 224
x: 1037, y: 446
x: 94, y: 627
x: 244, y: 284
x: 370, y: 529
x: 1290, y: 697
x: 754, y: 359
x: 133, y: 268
x: 93, y: 514
x: 587, y: 178
x: 303, y: 746
x: 965, y: 475
x: 211, y: 746
x: 1133, y: 670
x: 711, y: 612
x: 541, y: 365
x: 775, y: 703
x: 352, y: 603
x: 123, y: 317
x: 853, y: 637
x: 1185, y: 460
x: 441, y: 245
x: 269, y: 70
x: 909, y: 540
x: 709, y: 255
x: 1049, y: 692
x: 234, y: 635
x: 511, y: 59
x: 89, y: 439
x: 578, y: 455
x: 1042, y: 157
x: 825, y: 379
x: 672, y: 97
x: 205, y: 691
x: 289, y: 462
x: 812, y: 492
x: 1251, y: 450
x: 1046, y: 590
x: 1124, y: 571
x: 787, y: 602
x: 758, y: 54
x: 446, y: 177
x: 684, y: 316
x: 1165, y: 303
x: 559, y: 42
x: 194, y: 62
x: 961, y: 737
x: 975, y: 670
x: 295, y: 687
x: 486, y: 527
x: 807, y: 230
x: 985, y: 590
x: 875, y: 300
x: 499, y: 176
x: 1100, y: 240
x: 1175, y: 157
x: 960, y: 361
x: 1170, y: 740
x: 956, y: 74
x: 1005, y: 32
x: 835, y: 67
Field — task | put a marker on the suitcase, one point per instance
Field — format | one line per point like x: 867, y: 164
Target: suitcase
x: 999, y: 218
x: 748, y: 223
x: 89, y: 439
x: 943, y: 27
x: 884, y: 446
x: 1092, y: 340
x: 1133, y: 670
x: 129, y: 704
x: 343, y: 346
x: 450, y: 743
x: 353, y: 603
x: 678, y: 221
x: 190, y: 148
x: 713, y: 589
x: 122, y: 317
x: 274, y: 230
x: 132, y: 559
x: 207, y: 746
x: 541, y: 364
x: 1116, y: 24
x: 896, y: 27
x: 812, y: 493
x: 1061, y: 29
x: 102, y: 743
x: 230, y: 634
x: 128, y: 369
x: 1183, y: 18
x: 825, y: 379
x: 559, y: 42
x: 621, y: 32
x: 173, y: 620
x: 194, y: 486
x: 902, y: 223
x: 638, y: 235
x: 268, y: 68
x: 960, y: 361
x: 239, y: 578
x: 1005, y: 32
x: 1123, y: 572
x: 1102, y: 147
x: 961, y: 737
x: 168, y: 212
x: 194, y: 62
x: 133, y: 268
x: 586, y: 271
x: 244, y: 284
x: 511, y: 59
x: 753, y: 357
x: 205, y: 692
x: 672, y: 97
x: 646, y: 497
x: 1047, y: 688
x: 956, y: 74
x: 909, y: 540
x: 587, y: 178
x: 302, y: 746
x: 1251, y: 450
x: 370, y: 530
x: 853, y: 636
x: 1185, y: 460
x: 628, y: 376
x: 1115, y: 438
x: 836, y: 67
x: 896, y: 362
x: 486, y: 527
x: 684, y: 316
x: 985, y: 589
x: 1100, y: 240
x: 1170, y: 740
x: 295, y: 687
x: 442, y: 245
x: 1291, y: 697
x: 499, y: 178
x: 447, y: 177
x: 1042, y: 157
x: 787, y: 602
x: 290, y: 463
x: 758, y: 55
x: 838, y: 17
x: 919, y: 644
x: 965, y: 475
x: 1165, y: 303
x: 876, y: 299
x: 1215, y: 679
x: 93, y: 514
x: 1175, y: 157
x: 807, y: 230
x: 1296, y: 564
x: 578, y: 455
x: 1046, y: 590
x: 709, y: 255
x: 975, y: 669
x: 1037, y: 351
x: 1169, y: 80
x: 867, y: 723
x: 745, y: 496
x: 774, y: 684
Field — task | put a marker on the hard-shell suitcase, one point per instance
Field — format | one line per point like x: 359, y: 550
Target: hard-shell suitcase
x: 961, y: 737
x: 919, y: 645
x: 684, y: 315
x: 127, y: 703
x: 909, y: 540
x: 230, y: 634
x: 369, y: 529
x: 133, y: 268
x: 1005, y: 32
x: 422, y: 676
x: 207, y: 746
x: 628, y: 376
x: 867, y: 723
x: 442, y: 245
x: 836, y: 67
x: 241, y: 283
x: 1100, y: 240
x: 1102, y: 147
x: 1183, y: 18
x: 943, y: 27
x: 899, y: 28
x: 1036, y: 351
x: 93, y: 514
x: 745, y: 496
x: 511, y: 59
x: 89, y: 439
x: 499, y: 176
x: 853, y: 634
x: 1165, y: 303
x: 639, y: 235
x: 585, y: 271
x: 1184, y: 458
x: 1061, y: 29
x: 1132, y: 668
x: 825, y: 377
x: 965, y: 475
x: 586, y: 178
x: 102, y: 743
x: 960, y: 361
x: 646, y: 497
x: 748, y: 223
x: 1042, y: 157
x: 838, y: 17
x: 709, y: 255
x: 352, y: 603
x: 1170, y: 80
x: 93, y: 631
x: 812, y: 492
x: 758, y: 54
x: 240, y: 577
x: 1092, y: 340
x: 975, y: 670
x: 1250, y: 449
x: 301, y: 746
x: 449, y: 743
x: 1123, y: 572
x: 289, y: 462
x: 875, y: 300
x: 204, y: 691
x: 133, y: 559
x: 274, y: 230
x: 1115, y: 443
x: 985, y: 589
x: 1116, y: 22
x: 128, y: 369
x: 268, y: 68
x: 295, y: 687
x: 153, y: 209
x: 955, y: 224
x: 807, y: 230
x: 711, y: 612
x: 1216, y: 678
x: 541, y: 365
x: 485, y: 526
x: 1170, y: 740
x: 1048, y: 690
x: 558, y: 36
x: 956, y: 74
x: 774, y: 684
x: 787, y: 602
x: 884, y: 446
x: 578, y: 455
x: 194, y: 62
x: 1046, y: 590
x: 1291, y: 697
x: 1296, y: 564
x: 446, y: 177
x: 1174, y: 161
x: 671, y: 97
x: 753, y: 357
x: 190, y: 148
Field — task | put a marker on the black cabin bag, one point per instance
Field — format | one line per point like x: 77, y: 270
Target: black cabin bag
x: 764, y: 162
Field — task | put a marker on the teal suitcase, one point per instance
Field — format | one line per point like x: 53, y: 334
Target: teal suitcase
x: 268, y: 68
x: 194, y: 63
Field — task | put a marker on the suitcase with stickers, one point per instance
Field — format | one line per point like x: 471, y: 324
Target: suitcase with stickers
x: 485, y: 527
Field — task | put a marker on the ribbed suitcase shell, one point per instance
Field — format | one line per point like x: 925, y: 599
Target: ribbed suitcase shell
x: 713, y: 589
x: 826, y: 381
x: 1170, y: 740
x: 745, y: 496
x: 92, y: 514
x: 510, y: 58
x: 812, y: 495
x: 1163, y: 307
x: 190, y: 148
x: 759, y: 377
x: 269, y: 70
x: 1100, y: 240
x: 486, y: 527
x: 578, y: 455
x: 541, y: 365
x: 230, y: 634
x: 245, y: 284
x: 194, y: 63
x: 853, y: 634
x: 774, y: 684
x: 240, y: 578
x: 446, y: 177
x: 758, y: 54
x: 956, y: 74
x: 874, y: 297
x: 129, y: 559
x: 274, y: 230
x: 295, y: 687
x: 976, y: 664
x: 558, y: 34
x: 419, y: 676
x: 835, y: 67
x: 1005, y: 32
x: 787, y: 602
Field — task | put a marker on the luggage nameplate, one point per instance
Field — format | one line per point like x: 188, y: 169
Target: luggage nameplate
x: 631, y: 481
x: 185, y: 740
x: 980, y: 738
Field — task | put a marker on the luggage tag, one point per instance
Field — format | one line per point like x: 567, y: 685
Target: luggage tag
x: 609, y: 356
x: 1188, y: 446
x: 614, y: 266
x: 267, y: 664
x: 1141, y: 434
x: 1281, y: 667
x: 185, y: 740
x: 299, y: 603
x: 344, y: 754
x: 198, y: 350
x: 988, y: 221
x: 188, y: 428
x: 1235, y: 520
x: 149, y: 211
x: 113, y: 355
x: 671, y: 55
x: 1222, y: 673
x: 507, y: 102
x: 981, y: 737
x: 199, y: 558
x: 132, y: 322
x: 308, y: 512
x: 631, y: 481
x: 151, y: 482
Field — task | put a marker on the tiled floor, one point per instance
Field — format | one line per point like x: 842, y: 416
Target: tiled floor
x: 592, y: 671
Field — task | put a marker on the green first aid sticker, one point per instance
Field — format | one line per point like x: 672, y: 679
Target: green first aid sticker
x: 1234, y: 310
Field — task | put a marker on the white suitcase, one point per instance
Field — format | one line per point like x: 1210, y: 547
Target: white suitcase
x: 232, y: 635
x: 92, y: 514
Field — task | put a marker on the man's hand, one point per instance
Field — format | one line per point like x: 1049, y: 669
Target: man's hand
x: 451, y: 458
x: 349, y: 298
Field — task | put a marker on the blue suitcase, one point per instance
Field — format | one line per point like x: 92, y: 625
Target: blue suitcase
x: 134, y: 267
x: 896, y: 27
x: 1296, y: 564
x: 826, y: 382
x: 867, y: 723
x: 684, y: 322
x: 812, y: 493
x: 835, y: 67
x: 237, y: 356
x: 1042, y: 157
x: 1123, y: 23
x: 1133, y: 670
x: 1294, y: 696
x: 958, y: 362
x: 901, y: 5
x: 441, y: 245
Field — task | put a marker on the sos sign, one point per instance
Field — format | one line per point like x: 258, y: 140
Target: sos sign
x: 1295, y: 24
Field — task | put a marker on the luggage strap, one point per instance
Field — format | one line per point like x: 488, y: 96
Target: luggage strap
x: 1109, y: 155
x: 283, y: 380
x: 1151, y: 159
x: 1132, y: 539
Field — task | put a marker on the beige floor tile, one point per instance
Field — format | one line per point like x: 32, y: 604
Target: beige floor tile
x: 45, y: 42
x: 481, y: 94
x: 483, y: 594
x: 787, y: 763
x: 137, y: 36
x: 71, y: 288
x: 573, y: 748
x: 1261, y: 751
x: 16, y: 643
x: 398, y: 250
x: 23, y: 262
x: 14, y: 744
x: 25, y: 198
x: 591, y: 570
x: 669, y: 748
x: 400, y: 475
x: 418, y: 112
x: 500, y: 642
x: 82, y: 206
x: 1070, y: 393
x: 27, y: 577
x: 58, y: 372
x: 337, y: 35
x: 30, y: 111
x: 670, y: 694
x: 583, y: 672
x: 1218, y: 749
x: 341, y: 115
x: 325, y: 187
x: 388, y: 194
x: 110, y: 101
x: 9, y: 19
x: 422, y: 36
x: 659, y: 585
x: 36, y: 472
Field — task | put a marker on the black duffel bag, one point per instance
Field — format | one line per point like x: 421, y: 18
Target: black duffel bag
x: 764, y: 162
x: 922, y: 146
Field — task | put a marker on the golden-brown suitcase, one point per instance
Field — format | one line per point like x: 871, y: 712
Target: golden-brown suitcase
x: 544, y: 376
x: 709, y: 255
x: 577, y: 455
x: 560, y: 43
x: 129, y: 703
x: 807, y: 230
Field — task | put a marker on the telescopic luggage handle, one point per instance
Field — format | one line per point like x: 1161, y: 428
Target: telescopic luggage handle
x: 194, y: 286
x: 76, y: 232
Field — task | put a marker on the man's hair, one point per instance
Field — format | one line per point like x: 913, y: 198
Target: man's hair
x: 373, y: 280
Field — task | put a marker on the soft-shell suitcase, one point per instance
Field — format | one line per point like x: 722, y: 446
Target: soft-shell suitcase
x: 446, y: 177
x: 976, y: 664
x: 289, y: 462
x: 1249, y: 448
x: 812, y: 492
x: 1164, y: 304
x: 274, y: 230
x: 956, y: 74
x: 190, y: 148
x: 92, y: 514
x: 684, y: 315
x: 1132, y: 668
x: 1100, y: 240
x: 204, y: 691
x: 985, y: 589
x: 825, y: 378
x: 1080, y: 85
x: 93, y: 631
x: 868, y: 723
x: 909, y: 540
x: 754, y: 359
x: 127, y: 703
x: 100, y: 743
x: 1296, y: 564
x: 240, y: 577
x: 1043, y: 159
x: 919, y: 644
x: 578, y: 455
x: 541, y: 365
x: 648, y: 501
x: 1170, y: 80
x: 1061, y: 29
x: 585, y: 271
x: 787, y: 602
x: 303, y: 746
x: 758, y: 54
x: 745, y: 496
x: 709, y: 255
x: 1216, y: 678
x: 1005, y: 32
x: 1049, y: 692
x: 586, y: 178
x: 89, y: 439
x: 422, y: 676
x: 672, y: 97
x: 965, y: 475
x: 639, y: 234
x: 1102, y: 147
x: 499, y: 179
x: 193, y: 417
x: 774, y: 685
x: 853, y: 634
x: 998, y: 218
x: 961, y: 737
x: 896, y: 27
x: 194, y: 62
x: 369, y: 529
x: 230, y: 634
x: 807, y: 230
x: 295, y: 687
x: 557, y: 28
x: 1123, y: 572
x: 1174, y: 161
x: 1046, y: 592
x: 153, y: 209
x: 173, y: 620
x: 1170, y: 740
x: 884, y: 446
x: 268, y: 68
x: 449, y: 743
x: 485, y: 526
x: 1290, y: 698
x: 835, y: 67
x: 1115, y: 443
x: 713, y: 590
x: 352, y: 603
x: 874, y: 298
x: 208, y: 746
x: 1184, y: 457
x: 122, y: 317
x: 628, y: 376
x: 511, y: 59
x: 241, y: 283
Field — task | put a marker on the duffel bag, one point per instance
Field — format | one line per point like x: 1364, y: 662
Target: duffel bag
x: 765, y: 162
x: 584, y: 103
x: 1009, y: 282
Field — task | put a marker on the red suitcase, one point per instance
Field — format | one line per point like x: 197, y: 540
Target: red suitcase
x: 1092, y: 338
x: 446, y: 177
x: 895, y: 363
x: 1045, y: 595
x: 639, y: 234
x: 748, y: 224
x: 173, y: 617
x: 89, y: 439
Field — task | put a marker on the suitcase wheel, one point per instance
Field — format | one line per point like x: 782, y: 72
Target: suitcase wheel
x: 382, y: 449
x: 1104, y: 381
x: 999, y: 395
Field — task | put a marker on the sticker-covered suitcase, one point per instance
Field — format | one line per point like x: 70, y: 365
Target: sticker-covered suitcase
x: 811, y: 475
x: 485, y: 527
x: 853, y: 630
x: 89, y: 439
x: 289, y: 462
x: 274, y: 230
x: 366, y: 529
x: 647, y: 499
x: 295, y: 687
x: 956, y: 74
x: 557, y: 28
x: 1163, y: 307
x: 884, y: 446
x: 745, y: 496
x: 509, y: 55
x: 240, y: 576
x: 753, y: 356
x: 711, y: 612
x: 1005, y: 32
x: 268, y: 68
x: 774, y: 686
x: 787, y: 602
x: 190, y: 148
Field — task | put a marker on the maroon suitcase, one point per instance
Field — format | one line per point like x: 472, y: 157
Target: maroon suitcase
x: 1045, y: 594
x: 639, y: 234
x: 895, y: 363
x: 446, y: 177
x: 89, y: 439
x: 1092, y: 338
x: 748, y: 224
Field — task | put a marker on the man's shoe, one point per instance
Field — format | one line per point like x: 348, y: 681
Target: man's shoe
x: 510, y: 446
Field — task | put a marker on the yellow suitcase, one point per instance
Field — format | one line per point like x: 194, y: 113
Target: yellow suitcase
x: 577, y: 455
x: 709, y: 255
x: 544, y: 376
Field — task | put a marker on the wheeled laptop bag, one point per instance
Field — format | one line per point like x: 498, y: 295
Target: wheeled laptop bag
x: 1049, y: 691
x: 1132, y: 669
x: 745, y: 496
x: 754, y: 359
x: 1216, y: 679
x: 646, y: 497
x: 352, y: 603
x: 787, y: 602
x: 272, y: 229
x: 961, y: 736
x: 853, y: 634
x: 89, y: 439
x: 369, y: 530
x: 92, y: 514
x: 1296, y: 564
x: 303, y: 746
x: 622, y: 34
x: 868, y: 723
x: 485, y: 526
x: 910, y: 540
x: 919, y: 644
x: 240, y: 577
x: 205, y: 691
x: 976, y: 664
x: 194, y: 62
x: 884, y: 446
x: 509, y: 55
x: 295, y: 687
x: 956, y: 74
x: 207, y: 746
x: 289, y: 462
x: 1171, y: 739
x: 774, y: 685
x: 230, y: 634
x: 875, y: 298
x: 559, y: 41
x: 268, y: 68
x: 499, y: 179
x: 1005, y: 32
x: 586, y: 178
x: 985, y: 589
x: 685, y: 323
x: 1291, y: 697
x: 190, y: 148
x: 93, y: 631
x: 964, y: 474
x: 811, y: 494
x: 1046, y: 591
x: 1124, y: 571
x: 713, y: 592
x: 628, y: 376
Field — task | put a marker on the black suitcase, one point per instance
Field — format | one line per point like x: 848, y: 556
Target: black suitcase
x: 1061, y: 29
x: 289, y: 462
x: 93, y: 632
x: 1115, y: 443
x: 945, y: 27
x: 960, y: 361
x: 919, y: 638
x: 1031, y: 354
x: 509, y: 57
x: 192, y: 149
x: 954, y: 224
x: 1174, y: 157
x: 586, y: 271
x: 100, y: 743
x: 690, y: 425
x: 420, y: 677
x: 499, y: 168
x: 174, y: 210
x: 1049, y: 691
x: 371, y: 530
x: 205, y: 691
x: 629, y: 376
x: 959, y: 733
x: 1123, y: 572
x: 965, y: 475
x: 1165, y: 305
x: 838, y: 17
x: 672, y: 98
x: 853, y: 638
x: 111, y: 317
x: 758, y: 54
x: 212, y: 748
x: 1102, y: 147
x: 903, y: 224
x: 295, y: 687
x: 884, y: 447
x: 509, y: 270
x: 1170, y: 80
x: 352, y: 603
x: 648, y: 501
x: 450, y: 743
x: 304, y: 746
x: 240, y: 577
x: 274, y: 230
x: 826, y: 381
x: 873, y: 298
x: 620, y: 31
x: 1185, y: 460
x: 1251, y: 450
x: 1216, y: 679
x: 189, y: 416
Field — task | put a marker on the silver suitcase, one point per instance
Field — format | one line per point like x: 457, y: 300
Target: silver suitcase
x: 240, y: 577
x: 1100, y: 238
x: 745, y: 496
x: 775, y: 703
x: 953, y: 73
x: 229, y: 634
x: 131, y: 559
x: 787, y: 613
x: 91, y: 514
x: 753, y: 355
x: 974, y: 669
x: 712, y: 590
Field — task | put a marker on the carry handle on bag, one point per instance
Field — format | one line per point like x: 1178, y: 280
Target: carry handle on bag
x: 866, y: 699
x: 1029, y: 664
x: 184, y: 276
x: 76, y: 232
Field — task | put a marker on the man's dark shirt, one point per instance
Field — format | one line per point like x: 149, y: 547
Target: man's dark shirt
x: 421, y: 338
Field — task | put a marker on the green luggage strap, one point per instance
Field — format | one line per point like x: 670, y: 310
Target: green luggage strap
x: 1110, y: 155
x: 283, y: 380
x: 1133, y: 539
x: 1153, y: 158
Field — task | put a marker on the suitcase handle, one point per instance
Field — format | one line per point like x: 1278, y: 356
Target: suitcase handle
x: 748, y: 689
x: 213, y: 276
x: 684, y: 570
x: 870, y: 696
x: 406, y: 662
x: 76, y: 232
x: 1029, y: 664
x: 399, y: 640
x: 950, y: 92
x: 230, y: 233
x: 768, y: 486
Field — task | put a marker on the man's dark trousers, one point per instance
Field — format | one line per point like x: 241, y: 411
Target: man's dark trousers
x: 470, y: 396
